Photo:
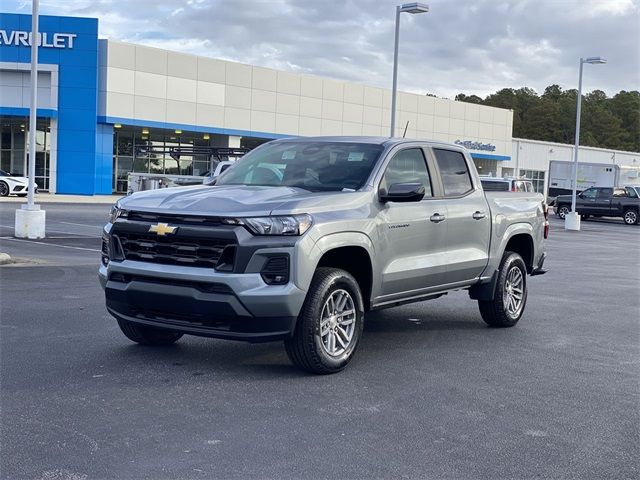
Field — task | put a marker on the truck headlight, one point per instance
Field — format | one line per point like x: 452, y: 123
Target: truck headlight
x: 116, y: 212
x: 276, y: 225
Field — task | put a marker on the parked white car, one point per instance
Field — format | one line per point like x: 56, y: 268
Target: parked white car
x: 10, y: 185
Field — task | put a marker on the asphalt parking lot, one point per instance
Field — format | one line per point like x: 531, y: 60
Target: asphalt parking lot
x: 432, y: 392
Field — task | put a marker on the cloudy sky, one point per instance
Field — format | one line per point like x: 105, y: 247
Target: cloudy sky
x: 469, y: 46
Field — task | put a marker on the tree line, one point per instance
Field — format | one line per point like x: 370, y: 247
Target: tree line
x: 607, y: 122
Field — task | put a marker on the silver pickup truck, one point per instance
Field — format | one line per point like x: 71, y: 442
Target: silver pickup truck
x: 302, y: 237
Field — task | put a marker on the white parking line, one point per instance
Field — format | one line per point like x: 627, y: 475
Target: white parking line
x: 59, y: 231
x: 78, y: 224
x: 50, y: 244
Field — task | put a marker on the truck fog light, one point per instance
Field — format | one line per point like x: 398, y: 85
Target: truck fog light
x: 276, y: 270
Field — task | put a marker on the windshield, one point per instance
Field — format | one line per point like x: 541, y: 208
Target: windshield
x: 314, y: 166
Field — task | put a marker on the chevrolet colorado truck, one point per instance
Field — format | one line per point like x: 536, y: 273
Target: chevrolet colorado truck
x: 302, y: 237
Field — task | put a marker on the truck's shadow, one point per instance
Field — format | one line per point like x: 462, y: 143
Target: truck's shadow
x: 384, y: 332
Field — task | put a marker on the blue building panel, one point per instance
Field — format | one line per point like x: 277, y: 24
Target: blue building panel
x: 81, y: 119
x: 84, y: 164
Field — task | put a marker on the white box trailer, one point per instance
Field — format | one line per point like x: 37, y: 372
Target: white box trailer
x: 589, y: 175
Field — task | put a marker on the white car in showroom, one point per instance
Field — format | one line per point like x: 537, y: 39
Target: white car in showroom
x: 10, y: 185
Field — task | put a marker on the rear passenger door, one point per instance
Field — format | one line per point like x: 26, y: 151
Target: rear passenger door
x: 602, y: 205
x: 468, y: 217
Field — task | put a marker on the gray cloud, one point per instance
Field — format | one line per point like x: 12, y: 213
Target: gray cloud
x: 475, y: 47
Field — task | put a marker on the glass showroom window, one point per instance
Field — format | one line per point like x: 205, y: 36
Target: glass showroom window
x: 131, y: 153
x: 536, y: 177
x: 14, y: 153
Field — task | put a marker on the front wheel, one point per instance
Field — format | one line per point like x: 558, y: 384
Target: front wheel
x: 148, y: 335
x: 330, y: 324
x: 4, y: 189
x: 630, y: 217
x: 510, y: 297
x: 563, y: 211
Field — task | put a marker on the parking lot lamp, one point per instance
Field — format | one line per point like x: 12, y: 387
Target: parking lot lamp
x: 572, y: 220
x: 30, y: 220
x: 411, y: 8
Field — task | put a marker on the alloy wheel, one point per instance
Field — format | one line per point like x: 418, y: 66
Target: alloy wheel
x: 513, y: 292
x: 337, y: 323
x: 630, y: 217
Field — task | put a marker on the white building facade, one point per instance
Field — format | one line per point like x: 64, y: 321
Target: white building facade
x: 149, y: 94
x: 531, y: 159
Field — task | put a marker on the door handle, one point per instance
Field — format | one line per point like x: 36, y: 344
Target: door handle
x: 437, y: 218
x: 478, y: 215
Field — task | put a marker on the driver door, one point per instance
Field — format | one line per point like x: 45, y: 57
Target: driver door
x: 586, y: 201
x: 412, y: 239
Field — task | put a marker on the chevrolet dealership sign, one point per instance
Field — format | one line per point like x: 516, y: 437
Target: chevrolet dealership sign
x: 46, y: 40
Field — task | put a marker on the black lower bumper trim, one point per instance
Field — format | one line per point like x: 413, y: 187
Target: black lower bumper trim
x: 254, y: 329
x: 188, y: 310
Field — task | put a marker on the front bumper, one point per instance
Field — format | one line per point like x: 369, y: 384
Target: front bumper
x: 211, y: 304
x: 239, y: 307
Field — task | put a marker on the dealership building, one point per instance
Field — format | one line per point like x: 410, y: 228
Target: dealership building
x: 103, y: 103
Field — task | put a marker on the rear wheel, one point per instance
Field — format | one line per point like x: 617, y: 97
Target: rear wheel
x: 148, y: 335
x: 563, y: 211
x: 4, y: 189
x: 329, y: 327
x: 630, y: 217
x: 510, y: 297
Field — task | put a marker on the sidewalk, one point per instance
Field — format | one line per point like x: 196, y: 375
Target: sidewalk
x: 51, y: 198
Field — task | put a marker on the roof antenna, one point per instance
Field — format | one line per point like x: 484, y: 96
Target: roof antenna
x: 405, y: 129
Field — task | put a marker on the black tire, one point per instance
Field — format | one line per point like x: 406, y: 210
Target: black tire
x: 4, y: 189
x: 563, y: 210
x: 305, y: 348
x: 630, y: 216
x: 148, y: 335
x: 494, y: 312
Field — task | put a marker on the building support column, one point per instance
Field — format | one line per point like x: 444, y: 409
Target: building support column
x: 53, y: 154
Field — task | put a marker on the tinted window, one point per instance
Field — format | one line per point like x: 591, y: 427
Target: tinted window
x: 590, y: 193
x: 314, y: 166
x: 454, y: 172
x: 494, y: 186
x: 631, y: 192
x: 605, y: 192
x: 407, y: 166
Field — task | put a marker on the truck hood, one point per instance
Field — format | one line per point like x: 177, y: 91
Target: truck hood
x: 233, y: 200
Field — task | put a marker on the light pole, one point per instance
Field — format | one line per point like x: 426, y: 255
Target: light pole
x: 572, y: 220
x: 412, y: 8
x: 30, y: 220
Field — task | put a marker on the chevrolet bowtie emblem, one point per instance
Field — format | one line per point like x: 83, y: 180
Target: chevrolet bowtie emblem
x: 162, y: 229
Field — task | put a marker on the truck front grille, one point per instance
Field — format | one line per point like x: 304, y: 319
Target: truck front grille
x: 174, y: 219
x: 192, y: 252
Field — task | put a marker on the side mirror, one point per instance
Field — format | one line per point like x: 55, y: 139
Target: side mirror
x: 403, y: 192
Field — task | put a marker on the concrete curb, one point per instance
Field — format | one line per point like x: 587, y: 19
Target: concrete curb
x: 44, y: 198
x: 5, y: 258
